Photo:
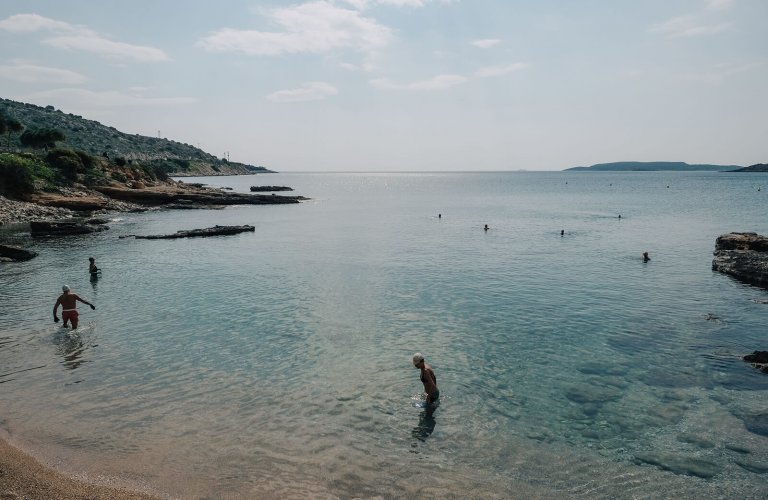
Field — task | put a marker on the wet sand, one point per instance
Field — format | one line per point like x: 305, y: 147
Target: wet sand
x: 23, y: 477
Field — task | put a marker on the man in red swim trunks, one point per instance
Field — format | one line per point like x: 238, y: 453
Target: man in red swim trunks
x: 68, y: 303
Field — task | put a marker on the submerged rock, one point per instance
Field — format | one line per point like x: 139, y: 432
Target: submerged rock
x: 14, y: 253
x: 756, y: 423
x: 743, y: 256
x: 678, y: 464
x: 752, y: 466
x: 209, y: 231
x: 759, y: 359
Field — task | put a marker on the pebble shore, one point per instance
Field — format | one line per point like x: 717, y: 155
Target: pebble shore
x: 24, y: 478
x: 13, y: 211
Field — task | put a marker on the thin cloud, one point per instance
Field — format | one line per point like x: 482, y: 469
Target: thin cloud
x: 685, y: 26
x: 719, y: 4
x: 311, y: 91
x: 707, y: 21
x: 499, y: 70
x: 28, y: 23
x: 30, y: 73
x: 80, y: 38
x: 718, y: 74
x: 486, y: 43
x: 312, y: 27
x: 440, y: 82
x: 411, y: 3
x: 82, y: 98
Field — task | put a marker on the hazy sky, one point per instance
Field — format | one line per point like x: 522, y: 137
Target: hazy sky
x: 358, y: 85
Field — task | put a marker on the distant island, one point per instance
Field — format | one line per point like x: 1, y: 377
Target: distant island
x: 651, y: 166
x: 759, y: 167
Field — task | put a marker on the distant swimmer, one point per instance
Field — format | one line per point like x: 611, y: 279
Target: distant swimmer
x: 619, y: 216
x: 68, y: 302
x: 427, y: 378
x: 562, y: 232
x: 92, y: 266
x: 486, y: 228
x: 439, y: 216
x: 645, y: 257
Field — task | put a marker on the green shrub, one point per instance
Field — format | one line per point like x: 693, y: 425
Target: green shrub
x: 118, y: 176
x: 16, y: 174
x: 67, y: 162
x: 20, y: 173
x: 85, y: 158
x: 95, y: 177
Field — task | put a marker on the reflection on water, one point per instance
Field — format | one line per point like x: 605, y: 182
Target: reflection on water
x: 426, y: 425
x: 71, y: 347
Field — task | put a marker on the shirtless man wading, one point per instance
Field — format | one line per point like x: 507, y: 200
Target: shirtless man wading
x: 68, y: 303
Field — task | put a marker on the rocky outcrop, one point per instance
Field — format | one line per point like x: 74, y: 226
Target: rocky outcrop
x: 167, y: 195
x: 14, y: 253
x: 743, y: 256
x: 758, y: 359
x: 262, y: 189
x: 209, y: 231
x: 79, y: 203
x: 65, y: 227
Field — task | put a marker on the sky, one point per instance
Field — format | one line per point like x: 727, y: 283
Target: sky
x: 406, y: 85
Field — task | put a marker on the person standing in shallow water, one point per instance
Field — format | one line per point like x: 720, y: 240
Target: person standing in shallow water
x: 92, y: 266
x: 68, y: 302
x: 428, y: 378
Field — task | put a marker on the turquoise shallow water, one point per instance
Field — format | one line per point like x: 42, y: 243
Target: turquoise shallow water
x: 277, y: 363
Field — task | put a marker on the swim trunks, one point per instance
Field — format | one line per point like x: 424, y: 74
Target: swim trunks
x: 70, y: 315
x: 435, y: 396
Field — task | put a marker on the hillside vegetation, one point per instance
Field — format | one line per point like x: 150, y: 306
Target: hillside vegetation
x: 97, y: 140
x: 43, y: 150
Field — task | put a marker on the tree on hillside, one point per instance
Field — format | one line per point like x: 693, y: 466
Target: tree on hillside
x: 9, y: 125
x: 41, y: 138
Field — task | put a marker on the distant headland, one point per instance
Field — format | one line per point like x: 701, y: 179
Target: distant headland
x: 652, y: 166
x: 24, y: 127
x: 57, y: 165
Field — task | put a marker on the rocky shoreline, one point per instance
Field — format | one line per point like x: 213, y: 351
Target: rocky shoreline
x: 743, y: 256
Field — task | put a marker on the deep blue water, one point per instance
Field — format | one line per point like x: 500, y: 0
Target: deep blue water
x: 277, y: 363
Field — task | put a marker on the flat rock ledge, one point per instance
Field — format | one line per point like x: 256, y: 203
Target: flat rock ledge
x: 66, y: 227
x: 11, y: 253
x: 165, y: 195
x: 743, y: 256
x: 194, y: 233
x: 270, y: 188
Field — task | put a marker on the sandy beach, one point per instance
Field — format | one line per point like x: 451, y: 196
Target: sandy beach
x: 23, y: 477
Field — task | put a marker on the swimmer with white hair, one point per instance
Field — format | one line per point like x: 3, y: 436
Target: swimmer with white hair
x: 428, y: 378
x: 68, y: 302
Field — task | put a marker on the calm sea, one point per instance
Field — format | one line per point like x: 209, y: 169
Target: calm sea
x: 277, y: 363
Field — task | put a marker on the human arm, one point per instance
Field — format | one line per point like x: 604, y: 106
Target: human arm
x: 56, y: 306
x: 85, y: 302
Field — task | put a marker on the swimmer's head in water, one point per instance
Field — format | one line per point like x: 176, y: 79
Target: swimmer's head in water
x: 90, y: 258
x: 417, y: 358
x: 65, y: 288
